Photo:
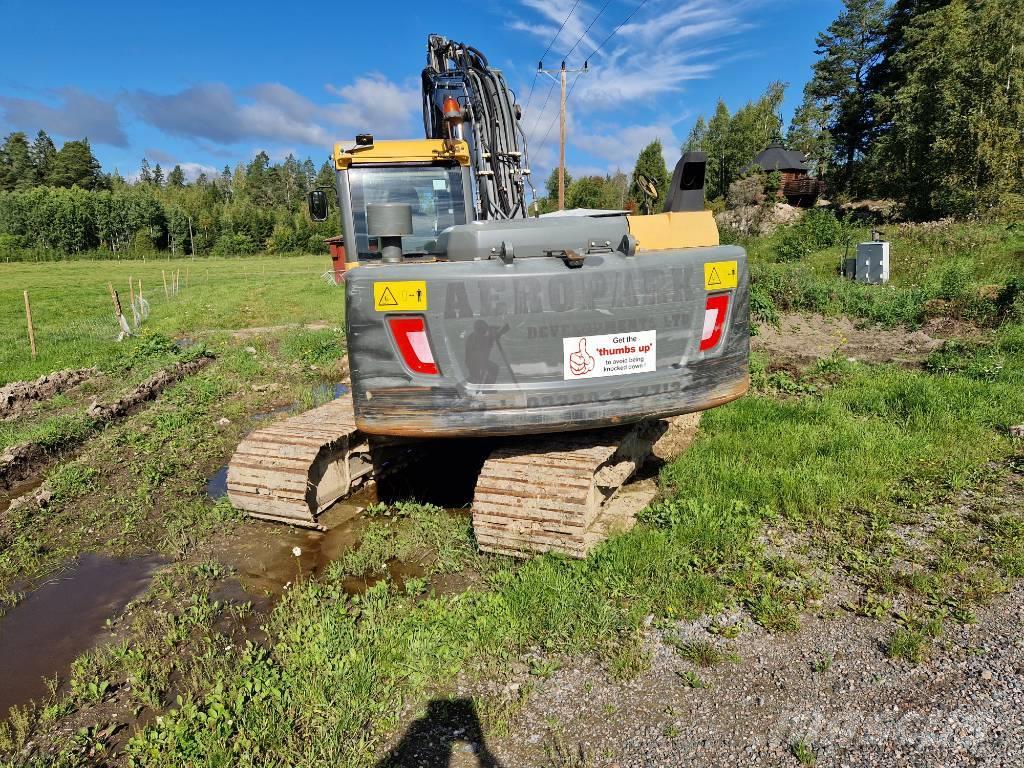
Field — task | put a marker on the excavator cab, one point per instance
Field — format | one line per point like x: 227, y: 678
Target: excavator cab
x: 429, y: 176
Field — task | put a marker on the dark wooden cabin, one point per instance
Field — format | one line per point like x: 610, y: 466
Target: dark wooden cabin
x: 798, y: 186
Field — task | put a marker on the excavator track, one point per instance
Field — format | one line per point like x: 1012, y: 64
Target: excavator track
x: 551, y: 494
x: 532, y: 495
x: 293, y: 470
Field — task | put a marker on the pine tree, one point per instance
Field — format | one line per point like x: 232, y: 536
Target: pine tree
x: 17, y: 171
x: 158, y: 175
x: 808, y: 133
x: 176, y: 178
x: 43, y: 153
x: 848, y: 51
x: 954, y: 144
x: 145, y: 172
x: 75, y: 165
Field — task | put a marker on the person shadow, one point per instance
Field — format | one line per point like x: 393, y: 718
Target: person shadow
x: 431, y: 740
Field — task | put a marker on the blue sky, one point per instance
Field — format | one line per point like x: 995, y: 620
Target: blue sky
x: 204, y: 84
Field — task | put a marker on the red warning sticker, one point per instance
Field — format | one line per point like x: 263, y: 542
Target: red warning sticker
x: 610, y: 354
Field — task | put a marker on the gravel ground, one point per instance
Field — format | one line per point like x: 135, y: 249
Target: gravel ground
x: 964, y: 706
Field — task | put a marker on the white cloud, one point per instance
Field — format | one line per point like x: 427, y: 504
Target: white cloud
x: 577, y: 17
x: 212, y: 112
x: 75, y: 115
x: 620, y: 145
x: 662, y: 47
x: 192, y: 170
x: 374, y: 104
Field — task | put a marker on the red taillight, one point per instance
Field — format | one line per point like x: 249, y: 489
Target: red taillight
x: 410, y: 334
x: 714, y: 317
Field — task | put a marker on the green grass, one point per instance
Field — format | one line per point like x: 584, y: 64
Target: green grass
x: 73, y: 316
x: 956, y: 264
x: 824, y: 465
x: 334, y: 664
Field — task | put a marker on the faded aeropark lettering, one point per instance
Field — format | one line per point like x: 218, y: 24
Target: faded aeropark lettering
x: 565, y: 293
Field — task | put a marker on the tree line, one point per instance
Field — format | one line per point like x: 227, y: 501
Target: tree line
x: 921, y: 101
x: 54, y: 202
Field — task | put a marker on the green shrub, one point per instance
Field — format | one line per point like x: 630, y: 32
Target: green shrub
x: 822, y: 228
x: 817, y: 229
x: 794, y: 245
x: 762, y: 306
x: 229, y: 244
x: 955, y: 281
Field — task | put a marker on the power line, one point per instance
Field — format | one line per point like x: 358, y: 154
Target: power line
x: 535, y: 76
x: 567, y: 95
x: 560, y: 28
x: 621, y: 25
x: 540, y: 112
x: 600, y: 45
x: 585, y: 31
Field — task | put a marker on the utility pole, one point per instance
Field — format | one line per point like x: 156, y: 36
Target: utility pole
x: 561, y: 144
x: 562, y: 72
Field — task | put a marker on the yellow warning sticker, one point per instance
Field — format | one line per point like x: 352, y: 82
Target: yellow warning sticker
x: 720, y: 275
x: 400, y: 296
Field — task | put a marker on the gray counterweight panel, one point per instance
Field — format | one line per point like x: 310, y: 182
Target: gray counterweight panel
x: 498, y: 334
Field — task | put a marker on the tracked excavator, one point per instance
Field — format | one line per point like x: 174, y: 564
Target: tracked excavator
x: 563, y: 340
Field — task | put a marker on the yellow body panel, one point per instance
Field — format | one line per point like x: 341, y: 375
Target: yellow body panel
x: 684, y: 229
x: 398, y: 152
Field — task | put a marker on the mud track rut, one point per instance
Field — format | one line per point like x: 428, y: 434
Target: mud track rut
x: 21, y: 462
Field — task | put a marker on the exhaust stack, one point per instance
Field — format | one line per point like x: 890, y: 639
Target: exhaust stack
x: 389, y: 221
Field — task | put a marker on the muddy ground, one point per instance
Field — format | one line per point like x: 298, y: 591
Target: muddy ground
x: 827, y: 692
x: 803, y: 339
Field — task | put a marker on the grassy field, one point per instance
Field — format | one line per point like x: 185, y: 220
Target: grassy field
x: 784, y: 495
x: 73, y: 314
x: 944, y: 269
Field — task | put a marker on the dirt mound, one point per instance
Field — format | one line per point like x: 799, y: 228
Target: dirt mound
x: 758, y: 219
x: 19, y: 462
x: 805, y: 339
x: 18, y: 397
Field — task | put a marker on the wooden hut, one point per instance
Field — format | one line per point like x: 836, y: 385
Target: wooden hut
x: 798, y: 186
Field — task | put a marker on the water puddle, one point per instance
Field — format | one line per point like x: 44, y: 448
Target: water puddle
x: 62, y: 618
x: 17, y: 491
x: 397, y: 571
x: 325, y: 391
x: 272, y: 557
x: 217, y: 485
x: 266, y: 561
x: 276, y: 411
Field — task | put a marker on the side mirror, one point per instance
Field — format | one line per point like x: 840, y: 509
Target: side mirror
x: 317, y: 202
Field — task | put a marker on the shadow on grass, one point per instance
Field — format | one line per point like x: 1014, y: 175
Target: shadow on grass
x: 432, y: 739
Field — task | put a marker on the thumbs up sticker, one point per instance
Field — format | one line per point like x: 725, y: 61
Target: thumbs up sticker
x: 612, y: 354
x: 580, y: 362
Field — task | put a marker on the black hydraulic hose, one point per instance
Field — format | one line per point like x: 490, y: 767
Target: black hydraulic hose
x: 496, y: 130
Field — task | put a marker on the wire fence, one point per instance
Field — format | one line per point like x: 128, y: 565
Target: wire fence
x: 68, y: 315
